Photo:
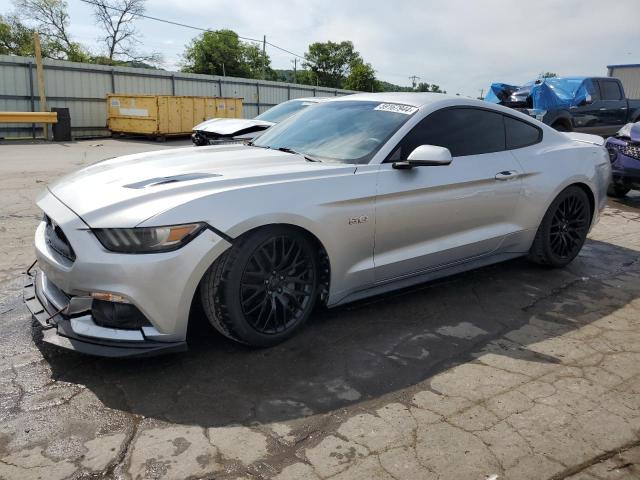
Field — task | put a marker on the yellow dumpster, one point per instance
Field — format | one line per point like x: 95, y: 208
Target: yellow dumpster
x: 162, y: 115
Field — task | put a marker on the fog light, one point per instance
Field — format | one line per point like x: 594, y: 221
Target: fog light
x: 117, y: 315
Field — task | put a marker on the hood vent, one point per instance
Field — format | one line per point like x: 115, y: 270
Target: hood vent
x: 154, y: 182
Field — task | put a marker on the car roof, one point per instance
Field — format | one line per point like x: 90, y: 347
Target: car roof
x: 415, y: 99
x: 436, y: 101
x: 311, y: 99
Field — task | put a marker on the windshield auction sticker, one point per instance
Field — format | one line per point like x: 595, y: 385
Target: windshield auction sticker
x: 397, y: 108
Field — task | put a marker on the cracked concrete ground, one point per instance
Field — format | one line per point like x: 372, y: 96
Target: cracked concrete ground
x: 509, y: 372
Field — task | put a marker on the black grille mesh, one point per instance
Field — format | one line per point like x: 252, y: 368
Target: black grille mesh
x: 632, y: 151
x: 57, y: 240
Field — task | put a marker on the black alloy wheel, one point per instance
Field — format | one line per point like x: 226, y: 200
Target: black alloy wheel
x: 563, y: 229
x: 277, y: 285
x: 264, y: 287
x: 569, y: 226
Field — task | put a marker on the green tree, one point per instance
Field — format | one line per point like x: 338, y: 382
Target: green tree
x: 548, y: 75
x: 51, y: 20
x: 426, y: 87
x: 331, y: 62
x: 15, y: 37
x: 306, y: 77
x: 390, y: 87
x: 222, y: 52
x: 361, y: 77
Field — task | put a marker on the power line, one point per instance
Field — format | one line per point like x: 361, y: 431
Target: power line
x: 192, y: 27
x: 200, y: 29
x: 170, y: 22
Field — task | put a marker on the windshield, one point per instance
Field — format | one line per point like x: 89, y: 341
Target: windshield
x: 344, y: 131
x: 284, y: 110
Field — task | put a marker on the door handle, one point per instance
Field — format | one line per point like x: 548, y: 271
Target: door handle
x: 603, y: 108
x: 506, y: 175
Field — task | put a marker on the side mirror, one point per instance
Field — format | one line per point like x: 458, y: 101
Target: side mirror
x: 588, y: 100
x: 425, y: 156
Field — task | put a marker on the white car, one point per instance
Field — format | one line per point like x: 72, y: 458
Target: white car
x: 223, y: 130
x: 351, y: 198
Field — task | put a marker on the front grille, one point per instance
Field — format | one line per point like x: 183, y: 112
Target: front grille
x: 57, y: 240
x: 632, y: 151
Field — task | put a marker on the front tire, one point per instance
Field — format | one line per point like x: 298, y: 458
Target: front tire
x: 563, y: 229
x: 617, y: 191
x: 264, y: 288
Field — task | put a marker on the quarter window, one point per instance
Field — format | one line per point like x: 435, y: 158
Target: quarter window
x: 464, y: 131
x: 520, y: 134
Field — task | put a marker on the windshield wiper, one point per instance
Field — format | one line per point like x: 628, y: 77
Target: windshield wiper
x: 291, y: 150
x: 251, y: 144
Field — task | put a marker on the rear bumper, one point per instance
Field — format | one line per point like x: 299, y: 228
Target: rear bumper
x: 63, y: 331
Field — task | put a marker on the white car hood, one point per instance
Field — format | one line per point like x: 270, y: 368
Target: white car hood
x: 125, y: 191
x: 230, y: 126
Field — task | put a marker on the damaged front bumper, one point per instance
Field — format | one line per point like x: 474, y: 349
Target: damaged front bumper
x: 625, y: 162
x: 67, y: 322
x: 201, y: 138
x: 112, y: 304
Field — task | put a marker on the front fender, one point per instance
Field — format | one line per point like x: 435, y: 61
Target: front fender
x: 323, y: 206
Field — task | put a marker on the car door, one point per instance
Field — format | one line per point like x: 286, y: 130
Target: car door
x: 613, y: 106
x: 606, y: 112
x: 431, y: 216
x: 586, y: 116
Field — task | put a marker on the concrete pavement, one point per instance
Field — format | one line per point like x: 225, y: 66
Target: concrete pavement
x: 509, y: 372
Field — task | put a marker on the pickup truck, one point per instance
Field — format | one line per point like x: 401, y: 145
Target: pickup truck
x: 595, y: 105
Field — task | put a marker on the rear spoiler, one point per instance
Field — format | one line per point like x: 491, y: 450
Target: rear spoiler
x: 585, y: 138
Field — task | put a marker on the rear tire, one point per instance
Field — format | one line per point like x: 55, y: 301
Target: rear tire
x: 264, y: 288
x: 563, y: 229
x: 617, y: 191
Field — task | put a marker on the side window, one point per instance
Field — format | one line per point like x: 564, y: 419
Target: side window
x: 610, y: 90
x: 520, y: 134
x: 464, y: 131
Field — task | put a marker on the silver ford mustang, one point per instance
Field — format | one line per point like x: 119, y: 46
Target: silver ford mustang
x: 350, y: 198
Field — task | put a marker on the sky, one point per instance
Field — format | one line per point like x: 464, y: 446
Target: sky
x: 463, y: 46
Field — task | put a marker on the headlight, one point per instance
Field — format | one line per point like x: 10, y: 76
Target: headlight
x: 147, y: 239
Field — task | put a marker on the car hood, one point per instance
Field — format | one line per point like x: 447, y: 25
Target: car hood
x: 125, y: 191
x: 231, y: 126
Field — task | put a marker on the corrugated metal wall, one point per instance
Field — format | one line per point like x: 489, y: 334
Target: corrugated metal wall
x: 83, y: 88
x: 629, y: 75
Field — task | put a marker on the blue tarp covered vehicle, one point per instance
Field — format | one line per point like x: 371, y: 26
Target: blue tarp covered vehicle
x: 543, y: 94
x: 585, y: 104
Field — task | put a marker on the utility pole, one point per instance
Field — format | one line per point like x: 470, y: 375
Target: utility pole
x: 295, y: 68
x: 40, y: 74
x: 264, y: 53
x: 481, y: 94
x: 414, y: 80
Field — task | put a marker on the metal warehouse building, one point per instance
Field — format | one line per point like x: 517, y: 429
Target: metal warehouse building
x: 629, y: 75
